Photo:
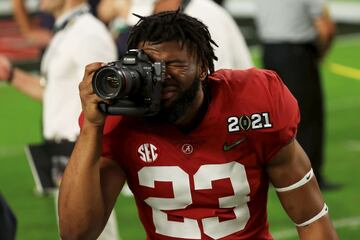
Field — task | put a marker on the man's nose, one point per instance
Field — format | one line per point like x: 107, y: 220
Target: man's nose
x: 167, y: 74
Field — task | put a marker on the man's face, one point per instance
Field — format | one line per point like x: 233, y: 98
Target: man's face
x: 51, y: 6
x: 183, y: 77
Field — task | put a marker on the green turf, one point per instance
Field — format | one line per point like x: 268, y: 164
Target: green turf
x: 344, y: 1
x: 20, y: 124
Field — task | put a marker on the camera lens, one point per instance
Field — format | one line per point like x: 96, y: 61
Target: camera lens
x: 116, y: 81
x: 108, y: 82
x: 111, y: 83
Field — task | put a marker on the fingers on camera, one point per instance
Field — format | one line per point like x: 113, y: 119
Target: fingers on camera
x: 92, y: 67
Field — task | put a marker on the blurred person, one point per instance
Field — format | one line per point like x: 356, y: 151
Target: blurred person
x: 232, y: 51
x: 201, y: 166
x: 296, y: 35
x: 142, y: 7
x: 79, y: 38
x: 115, y: 13
x: 108, y: 10
x: 41, y: 33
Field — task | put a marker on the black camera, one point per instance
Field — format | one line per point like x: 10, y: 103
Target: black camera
x: 133, y: 84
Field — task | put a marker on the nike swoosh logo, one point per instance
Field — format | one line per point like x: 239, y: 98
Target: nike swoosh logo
x: 228, y: 147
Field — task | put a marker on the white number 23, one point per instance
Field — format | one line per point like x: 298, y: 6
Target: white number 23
x: 203, y: 178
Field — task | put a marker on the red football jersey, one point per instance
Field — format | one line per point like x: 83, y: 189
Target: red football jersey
x: 210, y: 183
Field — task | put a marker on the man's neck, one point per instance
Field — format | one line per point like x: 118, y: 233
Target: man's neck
x: 69, y: 15
x: 68, y: 6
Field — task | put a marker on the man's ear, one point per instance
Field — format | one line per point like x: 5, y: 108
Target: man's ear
x: 203, y: 72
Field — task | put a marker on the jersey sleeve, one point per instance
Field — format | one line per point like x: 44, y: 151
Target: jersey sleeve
x: 285, y: 117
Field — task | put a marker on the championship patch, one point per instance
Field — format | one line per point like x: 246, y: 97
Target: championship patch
x: 249, y: 122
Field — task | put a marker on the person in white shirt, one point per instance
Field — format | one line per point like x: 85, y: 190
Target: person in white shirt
x: 232, y: 51
x: 79, y: 39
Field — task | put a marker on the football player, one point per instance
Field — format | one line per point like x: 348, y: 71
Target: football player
x: 201, y: 168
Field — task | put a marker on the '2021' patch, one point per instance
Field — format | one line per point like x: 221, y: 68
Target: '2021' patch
x: 247, y: 122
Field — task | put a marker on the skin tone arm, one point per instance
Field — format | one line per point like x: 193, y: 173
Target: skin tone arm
x: 301, y: 204
x: 21, y: 16
x: 21, y: 80
x: 91, y: 183
x: 38, y: 36
x: 326, y: 31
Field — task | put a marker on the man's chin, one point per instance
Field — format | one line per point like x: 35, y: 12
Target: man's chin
x: 167, y: 103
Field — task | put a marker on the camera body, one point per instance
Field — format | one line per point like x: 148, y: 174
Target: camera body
x: 133, y: 85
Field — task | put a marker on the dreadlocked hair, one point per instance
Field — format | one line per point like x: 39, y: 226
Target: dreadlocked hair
x: 175, y: 26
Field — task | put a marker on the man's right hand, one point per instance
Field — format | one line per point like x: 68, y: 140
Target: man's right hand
x: 89, y: 100
x: 5, y: 68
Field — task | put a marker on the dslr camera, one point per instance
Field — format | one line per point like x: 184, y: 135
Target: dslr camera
x: 133, y: 84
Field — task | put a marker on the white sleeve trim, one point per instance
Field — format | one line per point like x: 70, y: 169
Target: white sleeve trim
x: 322, y: 213
x: 299, y: 183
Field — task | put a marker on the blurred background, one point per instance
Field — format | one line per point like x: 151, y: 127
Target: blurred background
x: 20, y: 124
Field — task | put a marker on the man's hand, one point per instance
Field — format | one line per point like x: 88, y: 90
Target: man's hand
x: 89, y: 100
x: 5, y: 68
x: 326, y: 30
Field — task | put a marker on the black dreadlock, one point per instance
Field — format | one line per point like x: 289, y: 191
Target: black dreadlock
x: 175, y: 26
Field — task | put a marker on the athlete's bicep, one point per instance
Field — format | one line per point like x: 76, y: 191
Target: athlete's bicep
x: 291, y: 174
x: 112, y: 179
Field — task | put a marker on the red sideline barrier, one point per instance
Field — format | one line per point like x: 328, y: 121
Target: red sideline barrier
x: 14, y: 46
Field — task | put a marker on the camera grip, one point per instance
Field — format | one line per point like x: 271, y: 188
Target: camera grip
x: 128, y: 108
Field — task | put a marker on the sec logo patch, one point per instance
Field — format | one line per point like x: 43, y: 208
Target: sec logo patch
x: 148, y: 152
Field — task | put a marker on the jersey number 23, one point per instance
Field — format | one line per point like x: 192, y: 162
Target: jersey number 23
x: 189, y: 228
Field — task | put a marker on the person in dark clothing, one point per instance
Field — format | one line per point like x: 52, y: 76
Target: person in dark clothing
x: 8, y: 221
x: 295, y: 36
